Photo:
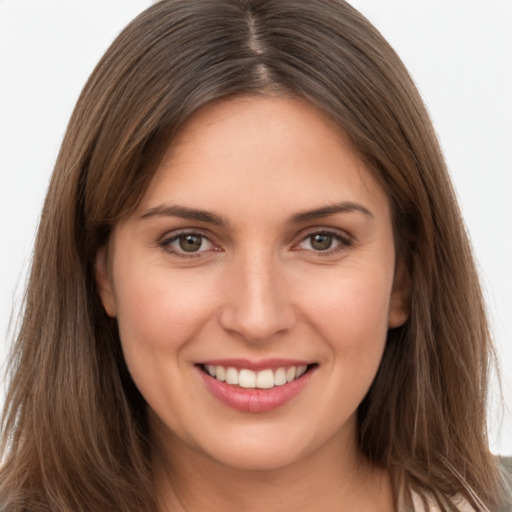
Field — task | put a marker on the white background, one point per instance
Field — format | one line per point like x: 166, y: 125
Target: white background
x: 458, y: 51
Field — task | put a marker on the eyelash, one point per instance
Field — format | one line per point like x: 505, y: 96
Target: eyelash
x: 343, y: 243
x: 166, y: 244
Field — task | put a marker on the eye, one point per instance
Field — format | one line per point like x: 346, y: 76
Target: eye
x: 321, y: 241
x: 324, y: 241
x: 188, y: 244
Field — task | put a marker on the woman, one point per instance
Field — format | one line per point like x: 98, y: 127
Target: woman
x: 251, y: 285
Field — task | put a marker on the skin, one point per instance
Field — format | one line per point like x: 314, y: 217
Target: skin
x: 257, y: 288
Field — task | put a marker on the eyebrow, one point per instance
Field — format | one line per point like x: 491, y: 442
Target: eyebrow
x: 320, y: 213
x: 184, y: 212
x: 199, y: 215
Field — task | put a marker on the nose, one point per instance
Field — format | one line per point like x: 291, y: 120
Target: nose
x: 257, y: 306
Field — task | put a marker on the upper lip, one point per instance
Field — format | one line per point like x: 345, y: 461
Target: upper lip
x: 262, y: 364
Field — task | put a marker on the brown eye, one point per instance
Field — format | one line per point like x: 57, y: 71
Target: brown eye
x: 190, y: 243
x: 321, y: 241
x: 324, y: 242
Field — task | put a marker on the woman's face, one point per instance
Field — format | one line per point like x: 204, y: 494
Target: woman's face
x: 262, y: 253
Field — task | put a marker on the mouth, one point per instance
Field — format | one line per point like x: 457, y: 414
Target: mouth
x: 251, y: 379
x: 256, y: 387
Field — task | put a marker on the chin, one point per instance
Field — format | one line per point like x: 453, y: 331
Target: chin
x: 258, y: 458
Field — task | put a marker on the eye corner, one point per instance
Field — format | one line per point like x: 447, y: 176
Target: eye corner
x: 324, y: 242
x: 188, y: 244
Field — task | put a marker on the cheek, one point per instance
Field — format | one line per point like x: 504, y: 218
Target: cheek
x: 159, y: 314
x: 159, y: 310
x: 352, y: 311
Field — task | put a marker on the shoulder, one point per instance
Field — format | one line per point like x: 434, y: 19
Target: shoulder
x: 431, y: 506
x: 460, y: 503
x: 506, y: 464
x: 506, y: 468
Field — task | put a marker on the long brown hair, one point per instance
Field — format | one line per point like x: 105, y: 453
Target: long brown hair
x: 75, y: 435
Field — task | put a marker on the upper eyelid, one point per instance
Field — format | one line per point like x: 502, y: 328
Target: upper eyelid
x: 170, y: 237
x: 338, y: 232
x: 175, y: 233
x: 345, y: 240
x: 301, y: 236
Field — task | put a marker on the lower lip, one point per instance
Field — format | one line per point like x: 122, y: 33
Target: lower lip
x: 254, y: 399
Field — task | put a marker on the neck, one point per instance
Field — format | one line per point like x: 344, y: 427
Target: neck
x: 334, y: 478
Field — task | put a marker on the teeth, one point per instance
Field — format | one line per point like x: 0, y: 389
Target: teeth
x: 280, y: 377
x: 301, y: 370
x: 232, y: 376
x: 220, y: 373
x: 247, y: 379
x: 264, y: 379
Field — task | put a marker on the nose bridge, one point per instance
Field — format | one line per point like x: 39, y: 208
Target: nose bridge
x: 257, y: 305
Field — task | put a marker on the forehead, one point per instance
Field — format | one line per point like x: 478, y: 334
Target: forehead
x: 274, y: 151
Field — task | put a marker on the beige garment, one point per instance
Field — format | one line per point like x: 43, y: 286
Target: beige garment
x: 460, y: 502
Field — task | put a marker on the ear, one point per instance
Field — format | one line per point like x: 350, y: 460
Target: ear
x: 104, y: 282
x: 400, y: 302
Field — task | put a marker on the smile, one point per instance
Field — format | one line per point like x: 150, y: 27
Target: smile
x: 246, y: 378
x: 256, y: 387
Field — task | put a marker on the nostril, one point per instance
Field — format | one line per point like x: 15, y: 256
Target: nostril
x: 256, y: 322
